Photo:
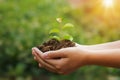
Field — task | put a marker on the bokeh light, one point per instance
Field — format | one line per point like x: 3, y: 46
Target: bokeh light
x: 108, y: 3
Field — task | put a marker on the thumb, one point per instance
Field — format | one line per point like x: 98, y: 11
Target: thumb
x: 54, y: 54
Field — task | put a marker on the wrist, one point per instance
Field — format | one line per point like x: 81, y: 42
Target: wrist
x: 94, y: 57
x: 84, y: 56
x: 88, y: 59
x: 89, y: 54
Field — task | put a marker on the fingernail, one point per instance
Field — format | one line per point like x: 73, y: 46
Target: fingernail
x: 40, y: 65
x: 36, y: 49
x: 33, y: 51
x: 33, y: 48
x: 34, y: 58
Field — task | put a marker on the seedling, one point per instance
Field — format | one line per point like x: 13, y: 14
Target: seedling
x: 59, y: 37
x: 60, y: 33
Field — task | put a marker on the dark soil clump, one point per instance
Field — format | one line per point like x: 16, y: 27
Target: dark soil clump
x: 55, y: 44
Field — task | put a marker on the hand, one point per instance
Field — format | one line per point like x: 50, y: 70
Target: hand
x: 37, y: 56
x: 67, y: 60
x: 63, y: 61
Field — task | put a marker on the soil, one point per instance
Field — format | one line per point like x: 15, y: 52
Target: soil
x: 55, y: 44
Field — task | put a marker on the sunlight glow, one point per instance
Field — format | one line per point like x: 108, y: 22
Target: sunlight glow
x: 108, y: 3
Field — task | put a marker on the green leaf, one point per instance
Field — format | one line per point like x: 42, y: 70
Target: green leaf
x: 68, y: 26
x: 55, y: 37
x: 54, y: 31
x: 68, y: 37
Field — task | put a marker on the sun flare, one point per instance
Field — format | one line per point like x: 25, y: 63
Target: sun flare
x: 108, y: 3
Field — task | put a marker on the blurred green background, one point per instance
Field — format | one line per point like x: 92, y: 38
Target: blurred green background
x: 26, y: 23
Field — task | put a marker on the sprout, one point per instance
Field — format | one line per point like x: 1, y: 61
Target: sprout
x: 59, y: 20
x: 55, y: 37
x: 54, y: 31
x: 68, y: 25
x: 61, y: 33
x: 68, y: 37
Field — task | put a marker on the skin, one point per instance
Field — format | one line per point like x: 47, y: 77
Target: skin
x: 67, y: 60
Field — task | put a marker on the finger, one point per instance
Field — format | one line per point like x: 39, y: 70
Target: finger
x: 52, y: 62
x: 47, y: 68
x: 54, y: 57
x: 37, y: 51
x: 39, y: 54
x: 35, y: 58
x: 33, y: 52
x: 40, y: 65
x: 44, y: 64
x: 54, y: 54
x: 38, y: 62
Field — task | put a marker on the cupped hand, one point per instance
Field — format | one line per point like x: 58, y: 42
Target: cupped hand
x: 63, y: 61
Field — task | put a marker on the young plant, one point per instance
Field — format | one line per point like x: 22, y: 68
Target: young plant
x: 60, y: 38
x: 61, y: 32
